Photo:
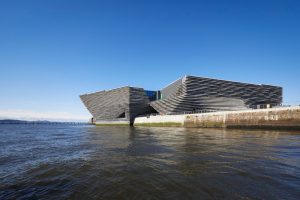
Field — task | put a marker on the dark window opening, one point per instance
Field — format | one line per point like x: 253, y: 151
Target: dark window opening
x: 122, y: 115
x: 152, y: 95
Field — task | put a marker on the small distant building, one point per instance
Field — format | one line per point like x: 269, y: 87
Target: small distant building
x: 187, y: 94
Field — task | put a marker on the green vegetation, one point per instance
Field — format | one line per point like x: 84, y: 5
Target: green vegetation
x: 160, y: 124
x: 211, y: 124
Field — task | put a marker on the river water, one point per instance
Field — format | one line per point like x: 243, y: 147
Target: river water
x: 88, y: 162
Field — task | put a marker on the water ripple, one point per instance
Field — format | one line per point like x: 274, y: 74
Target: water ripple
x: 87, y: 162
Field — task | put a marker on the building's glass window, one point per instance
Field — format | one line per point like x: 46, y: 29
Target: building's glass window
x: 158, y: 95
x: 151, y: 94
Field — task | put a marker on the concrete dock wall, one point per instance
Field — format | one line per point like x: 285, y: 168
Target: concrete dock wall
x: 160, y: 120
x: 112, y: 123
x: 285, y: 118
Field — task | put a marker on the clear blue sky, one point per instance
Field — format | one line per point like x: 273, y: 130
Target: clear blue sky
x: 52, y: 51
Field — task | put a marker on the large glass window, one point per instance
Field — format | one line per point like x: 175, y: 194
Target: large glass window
x: 151, y: 94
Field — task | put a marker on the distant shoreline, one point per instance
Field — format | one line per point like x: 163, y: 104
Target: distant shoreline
x: 13, y: 121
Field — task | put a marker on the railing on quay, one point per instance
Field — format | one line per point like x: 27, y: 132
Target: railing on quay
x: 263, y: 106
x: 180, y: 113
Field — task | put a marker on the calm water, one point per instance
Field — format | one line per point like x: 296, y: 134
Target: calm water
x: 87, y: 162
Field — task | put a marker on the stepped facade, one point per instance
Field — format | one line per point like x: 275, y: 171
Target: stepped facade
x: 187, y: 94
x: 192, y: 93
x: 119, y: 105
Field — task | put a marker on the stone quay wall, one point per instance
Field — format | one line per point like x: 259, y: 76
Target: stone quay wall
x: 272, y: 118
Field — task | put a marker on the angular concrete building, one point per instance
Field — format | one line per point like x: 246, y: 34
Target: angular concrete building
x: 192, y: 93
x: 119, y: 106
x: 187, y: 94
